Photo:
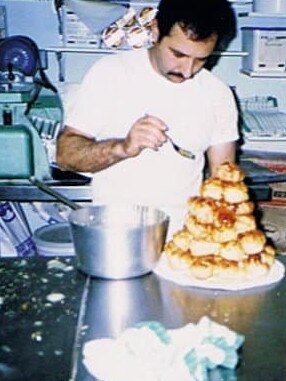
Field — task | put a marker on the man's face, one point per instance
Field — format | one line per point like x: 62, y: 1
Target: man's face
x: 177, y: 57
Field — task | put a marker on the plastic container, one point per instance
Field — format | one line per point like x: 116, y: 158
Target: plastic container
x: 54, y: 240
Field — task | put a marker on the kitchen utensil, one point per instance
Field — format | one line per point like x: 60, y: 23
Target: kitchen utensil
x: 118, y: 241
x: 180, y: 150
x: 114, y: 242
x: 58, y: 196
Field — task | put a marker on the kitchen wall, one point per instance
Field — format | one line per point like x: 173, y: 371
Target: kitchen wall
x: 228, y: 67
x: 39, y: 20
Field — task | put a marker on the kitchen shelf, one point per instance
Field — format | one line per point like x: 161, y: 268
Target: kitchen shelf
x: 268, y: 15
x: 155, y: 2
x: 136, y: 3
x: 233, y: 53
x: 255, y: 74
x: 70, y: 49
x: 60, y: 51
x: 30, y: 193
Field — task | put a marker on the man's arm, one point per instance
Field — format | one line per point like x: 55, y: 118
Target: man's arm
x: 78, y: 152
x: 219, y: 154
x: 82, y: 153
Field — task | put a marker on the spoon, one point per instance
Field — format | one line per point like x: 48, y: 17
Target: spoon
x: 182, y: 151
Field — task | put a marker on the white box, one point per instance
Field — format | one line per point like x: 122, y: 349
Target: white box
x: 269, y: 6
x: 266, y: 50
x: 76, y: 33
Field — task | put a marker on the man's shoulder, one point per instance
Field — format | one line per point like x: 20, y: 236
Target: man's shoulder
x: 209, y: 79
x: 123, y: 57
x: 116, y: 65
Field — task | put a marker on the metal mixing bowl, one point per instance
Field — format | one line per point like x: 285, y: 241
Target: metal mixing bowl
x: 118, y: 242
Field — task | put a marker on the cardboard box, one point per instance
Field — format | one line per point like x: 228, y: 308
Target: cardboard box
x: 278, y: 191
x: 272, y: 218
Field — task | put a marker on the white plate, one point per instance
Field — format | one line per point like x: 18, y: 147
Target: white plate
x: 163, y: 269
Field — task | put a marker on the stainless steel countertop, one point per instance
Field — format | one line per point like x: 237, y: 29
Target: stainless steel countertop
x: 26, y: 193
x: 72, y: 185
x: 109, y: 307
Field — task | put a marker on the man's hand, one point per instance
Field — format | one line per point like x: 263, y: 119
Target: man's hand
x: 82, y: 153
x: 146, y: 132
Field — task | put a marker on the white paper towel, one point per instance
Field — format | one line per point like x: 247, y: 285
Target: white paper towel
x: 150, y: 352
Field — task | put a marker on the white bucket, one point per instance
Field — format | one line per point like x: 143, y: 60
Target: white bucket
x: 54, y: 240
x: 269, y: 6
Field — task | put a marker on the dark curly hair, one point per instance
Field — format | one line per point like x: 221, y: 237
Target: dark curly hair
x: 200, y: 17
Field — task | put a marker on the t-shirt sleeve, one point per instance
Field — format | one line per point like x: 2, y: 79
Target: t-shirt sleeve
x: 226, y: 117
x: 90, y: 104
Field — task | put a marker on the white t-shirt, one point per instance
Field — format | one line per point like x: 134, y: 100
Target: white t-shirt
x: 199, y: 113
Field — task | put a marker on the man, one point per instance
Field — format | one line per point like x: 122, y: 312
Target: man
x: 130, y: 103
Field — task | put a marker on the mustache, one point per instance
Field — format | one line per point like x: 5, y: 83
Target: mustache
x: 179, y: 75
